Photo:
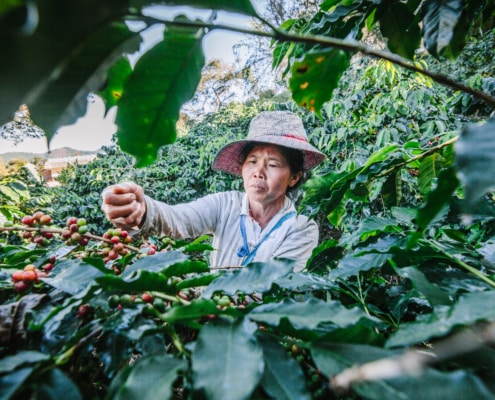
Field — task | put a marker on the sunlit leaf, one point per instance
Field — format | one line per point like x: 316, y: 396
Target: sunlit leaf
x: 163, y: 79
x: 114, y: 85
x: 316, y: 75
x: 227, y: 361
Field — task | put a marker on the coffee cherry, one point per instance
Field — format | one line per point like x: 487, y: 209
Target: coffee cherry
x: 71, y: 221
x: 81, y: 222
x: 147, y: 298
x: 21, y: 286
x: 37, y: 215
x: 29, y: 276
x: 17, y: 276
x: 45, y: 219
x: 48, y: 267
x: 30, y: 267
x: 27, y: 220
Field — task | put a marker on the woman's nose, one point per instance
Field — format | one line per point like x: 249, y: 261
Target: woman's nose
x: 259, y: 171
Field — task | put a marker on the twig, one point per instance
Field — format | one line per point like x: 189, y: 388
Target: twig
x: 414, y: 362
x: 347, y: 45
x: 59, y: 231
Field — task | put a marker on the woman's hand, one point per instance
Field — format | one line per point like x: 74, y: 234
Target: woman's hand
x: 124, y: 205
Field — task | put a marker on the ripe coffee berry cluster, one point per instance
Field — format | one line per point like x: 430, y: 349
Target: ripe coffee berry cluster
x: 37, y: 220
x: 24, y: 279
x: 114, y: 245
x: 74, y: 231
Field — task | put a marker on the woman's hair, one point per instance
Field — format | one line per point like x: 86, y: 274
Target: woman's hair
x: 295, y: 159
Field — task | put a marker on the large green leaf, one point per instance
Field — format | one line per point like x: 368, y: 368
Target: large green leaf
x: 62, y: 98
x: 163, y: 79
x: 227, y: 361
x: 398, y: 26
x: 316, y: 75
x: 159, y: 262
x: 432, y: 292
x: 439, y: 23
x: 308, y: 315
x: 150, y: 378
x: 23, y: 358
x: 139, y: 282
x: 114, y: 85
x: 75, y: 276
x: 257, y: 277
x: 56, y: 385
x: 475, y: 157
x: 13, y: 381
x: 282, y: 377
x: 438, y: 198
x: 472, y: 307
x: 197, y: 309
x: 237, y: 6
x: 69, y: 47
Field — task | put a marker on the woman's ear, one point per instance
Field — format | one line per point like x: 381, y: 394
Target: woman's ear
x: 295, y: 178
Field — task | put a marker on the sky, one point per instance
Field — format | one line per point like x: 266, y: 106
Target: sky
x: 94, y: 129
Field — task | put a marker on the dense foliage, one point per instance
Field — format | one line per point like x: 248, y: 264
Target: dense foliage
x: 400, y: 279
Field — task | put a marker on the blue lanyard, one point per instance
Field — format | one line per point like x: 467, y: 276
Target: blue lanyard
x: 243, y: 251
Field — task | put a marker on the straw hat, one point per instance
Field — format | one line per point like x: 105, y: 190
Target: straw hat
x: 282, y: 128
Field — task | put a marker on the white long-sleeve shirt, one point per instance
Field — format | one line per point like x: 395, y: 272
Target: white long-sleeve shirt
x: 219, y: 214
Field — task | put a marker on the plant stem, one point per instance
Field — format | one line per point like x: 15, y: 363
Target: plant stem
x: 59, y: 231
x: 462, y: 264
x: 347, y: 45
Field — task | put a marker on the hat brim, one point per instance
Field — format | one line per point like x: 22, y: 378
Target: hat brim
x: 229, y: 160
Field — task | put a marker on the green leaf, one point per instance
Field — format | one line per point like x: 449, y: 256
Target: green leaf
x: 236, y: 6
x: 61, y: 60
x: 75, y: 278
x: 163, y: 79
x: 475, y: 157
x: 472, y: 307
x: 159, y: 262
x: 150, y: 378
x: 428, y: 172
x: 398, y: 26
x: 139, y: 282
x: 9, y: 363
x: 307, y: 315
x: 62, y: 98
x: 316, y: 75
x: 432, y: 293
x: 438, y: 198
x: 12, y: 382
x: 227, y: 361
x: 114, y: 85
x: 256, y: 277
x: 363, y: 259
x: 195, y: 310
x: 55, y: 385
x: 282, y: 376
x: 439, y: 23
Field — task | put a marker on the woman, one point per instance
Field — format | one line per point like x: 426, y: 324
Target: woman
x: 257, y: 225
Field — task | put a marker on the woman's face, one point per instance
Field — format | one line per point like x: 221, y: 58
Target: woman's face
x: 267, y: 175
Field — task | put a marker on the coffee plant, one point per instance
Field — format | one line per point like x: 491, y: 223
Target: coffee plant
x: 398, y: 299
